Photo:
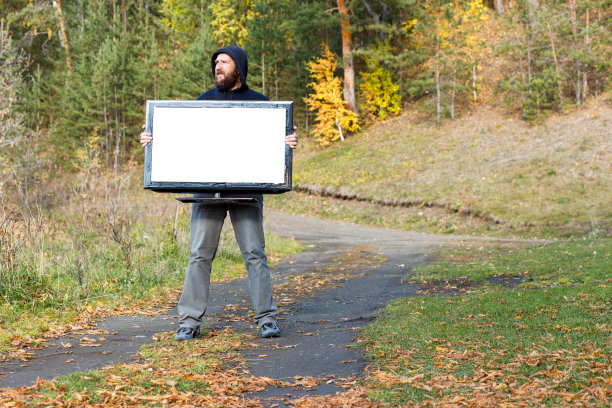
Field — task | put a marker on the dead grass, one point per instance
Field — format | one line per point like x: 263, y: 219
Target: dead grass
x: 556, y: 174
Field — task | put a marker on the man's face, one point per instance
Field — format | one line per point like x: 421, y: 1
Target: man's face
x: 227, y: 76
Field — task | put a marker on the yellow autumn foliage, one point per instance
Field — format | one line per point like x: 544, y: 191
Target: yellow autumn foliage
x: 228, y: 25
x: 380, y: 94
x: 332, y: 117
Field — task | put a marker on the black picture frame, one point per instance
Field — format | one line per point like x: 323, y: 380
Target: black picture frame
x: 197, y: 144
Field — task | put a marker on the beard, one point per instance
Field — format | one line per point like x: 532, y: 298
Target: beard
x: 227, y: 82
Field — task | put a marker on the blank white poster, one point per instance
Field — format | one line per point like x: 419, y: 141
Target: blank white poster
x: 225, y: 145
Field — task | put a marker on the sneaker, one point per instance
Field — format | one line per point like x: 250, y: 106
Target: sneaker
x: 186, y: 333
x: 269, y: 330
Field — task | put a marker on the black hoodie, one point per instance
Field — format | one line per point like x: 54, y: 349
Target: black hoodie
x: 244, y: 93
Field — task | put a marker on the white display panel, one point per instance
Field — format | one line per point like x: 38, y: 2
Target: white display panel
x: 217, y: 146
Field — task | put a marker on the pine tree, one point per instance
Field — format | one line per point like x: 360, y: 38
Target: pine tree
x: 388, y: 36
x: 310, y: 23
x: 20, y: 163
x: 268, y: 44
x: 11, y: 120
x: 187, y: 27
x: 347, y: 56
x: 105, y: 89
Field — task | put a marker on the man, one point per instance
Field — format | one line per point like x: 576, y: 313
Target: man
x: 229, y: 68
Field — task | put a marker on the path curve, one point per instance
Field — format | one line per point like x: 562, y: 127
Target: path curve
x: 334, y: 314
x: 330, y: 317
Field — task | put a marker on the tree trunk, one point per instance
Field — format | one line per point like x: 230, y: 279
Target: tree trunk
x: 578, y: 88
x: 338, y: 123
x: 576, y: 47
x: 499, y: 7
x: 106, y: 127
x: 529, y: 61
x: 276, y: 80
x: 377, y: 18
x: 438, y: 99
x: 558, y: 74
x: 123, y: 16
x: 532, y: 6
x: 347, y: 58
x: 452, y: 103
x: 63, y: 36
x: 339, y: 127
x: 437, y: 73
x: 597, y: 56
x: 587, y: 43
x: 454, y: 81
x: 263, y: 68
x: 474, y: 81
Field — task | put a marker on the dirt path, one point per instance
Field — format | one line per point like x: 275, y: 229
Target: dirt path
x: 318, y: 329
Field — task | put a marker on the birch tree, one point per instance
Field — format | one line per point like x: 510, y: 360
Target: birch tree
x: 11, y: 120
x: 499, y: 7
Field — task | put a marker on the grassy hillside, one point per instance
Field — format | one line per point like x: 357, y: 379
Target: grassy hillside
x: 485, y: 173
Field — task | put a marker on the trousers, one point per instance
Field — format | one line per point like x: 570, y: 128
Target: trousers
x: 206, y: 224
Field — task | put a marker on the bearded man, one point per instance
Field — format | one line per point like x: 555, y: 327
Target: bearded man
x: 229, y: 69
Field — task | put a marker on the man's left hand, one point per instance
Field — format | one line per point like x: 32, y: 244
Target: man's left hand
x: 292, y: 139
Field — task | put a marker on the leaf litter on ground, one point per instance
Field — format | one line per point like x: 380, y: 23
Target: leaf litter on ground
x: 205, y: 372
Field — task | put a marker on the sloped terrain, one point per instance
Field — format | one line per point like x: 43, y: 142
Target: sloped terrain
x: 487, y: 165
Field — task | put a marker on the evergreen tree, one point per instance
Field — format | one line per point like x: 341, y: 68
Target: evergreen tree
x: 90, y: 65
x: 387, y: 37
x: 20, y: 163
x: 561, y: 54
x: 311, y: 24
x: 34, y: 29
x: 189, y: 33
x: 268, y: 44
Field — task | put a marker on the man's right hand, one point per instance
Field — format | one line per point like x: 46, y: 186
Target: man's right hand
x: 145, y: 138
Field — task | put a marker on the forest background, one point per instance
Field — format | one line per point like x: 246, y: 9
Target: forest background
x: 79, y: 73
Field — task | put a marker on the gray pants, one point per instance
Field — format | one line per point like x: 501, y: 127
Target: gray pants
x: 206, y: 224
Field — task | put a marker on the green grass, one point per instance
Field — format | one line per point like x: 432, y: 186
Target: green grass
x: 551, y: 338
x: 555, y: 263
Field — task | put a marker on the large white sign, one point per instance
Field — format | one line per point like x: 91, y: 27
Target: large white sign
x: 217, y: 146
